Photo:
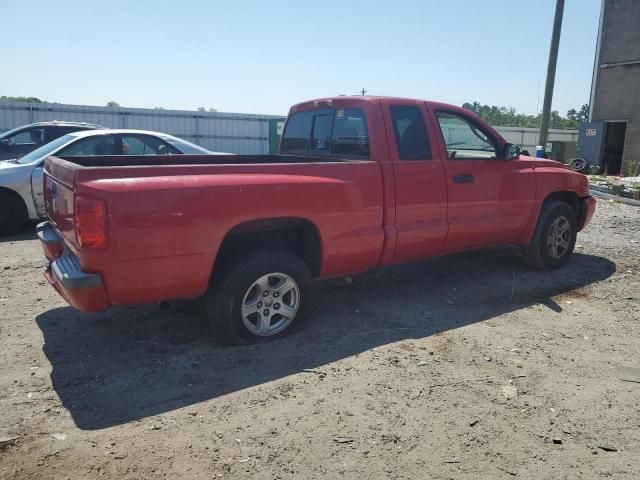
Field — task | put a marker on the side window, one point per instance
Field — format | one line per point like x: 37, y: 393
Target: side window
x: 143, y: 145
x: 55, y: 132
x: 297, y: 134
x: 96, y: 145
x: 463, y: 140
x: 350, y: 133
x: 30, y: 137
x: 410, y: 132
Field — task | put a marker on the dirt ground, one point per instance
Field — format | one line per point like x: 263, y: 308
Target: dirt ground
x: 463, y: 367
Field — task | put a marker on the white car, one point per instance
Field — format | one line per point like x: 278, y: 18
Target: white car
x: 21, y: 193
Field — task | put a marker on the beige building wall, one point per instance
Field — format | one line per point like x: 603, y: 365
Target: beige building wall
x: 616, y: 92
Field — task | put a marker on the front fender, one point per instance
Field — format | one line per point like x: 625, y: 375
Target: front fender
x: 17, y: 178
x: 553, y: 181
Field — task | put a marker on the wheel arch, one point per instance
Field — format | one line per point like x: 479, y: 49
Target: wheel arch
x: 9, y: 189
x: 28, y: 201
x: 568, y: 197
x: 7, y: 193
x: 4, y: 190
x: 295, y: 234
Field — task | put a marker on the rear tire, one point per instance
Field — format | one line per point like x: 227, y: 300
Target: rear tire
x: 259, y: 297
x: 554, y: 237
x: 13, y: 213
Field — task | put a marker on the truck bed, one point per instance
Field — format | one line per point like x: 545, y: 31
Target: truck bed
x: 166, y: 217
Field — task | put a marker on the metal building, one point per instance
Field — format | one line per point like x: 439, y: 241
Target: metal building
x: 563, y: 142
x: 612, y: 137
x: 216, y: 131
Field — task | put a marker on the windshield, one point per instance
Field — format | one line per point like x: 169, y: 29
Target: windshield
x: 45, y: 150
x: 8, y: 133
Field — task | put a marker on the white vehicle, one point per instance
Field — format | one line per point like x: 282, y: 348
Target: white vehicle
x: 21, y: 192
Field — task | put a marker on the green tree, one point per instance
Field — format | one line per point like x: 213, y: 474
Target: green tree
x: 21, y: 99
x: 474, y: 107
x: 579, y: 116
x: 112, y: 103
x: 509, y: 117
x: 583, y: 115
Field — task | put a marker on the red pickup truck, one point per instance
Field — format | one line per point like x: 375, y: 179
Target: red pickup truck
x: 359, y: 182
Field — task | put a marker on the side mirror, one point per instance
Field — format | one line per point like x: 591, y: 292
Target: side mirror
x: 5, y: 142
x: 511, y: 151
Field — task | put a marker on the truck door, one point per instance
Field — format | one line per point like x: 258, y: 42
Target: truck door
x: 490, y: 200
x: 420, y: 187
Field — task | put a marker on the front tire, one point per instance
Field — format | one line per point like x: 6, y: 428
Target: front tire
x: 554, y: 238
x: 259, y: 297
x: 13, y: 213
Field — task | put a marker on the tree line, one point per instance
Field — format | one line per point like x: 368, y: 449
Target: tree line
x: 110, y: 103
x: 508, y: 117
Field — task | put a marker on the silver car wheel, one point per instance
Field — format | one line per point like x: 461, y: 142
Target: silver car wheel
x: 270, y: 304
x: 559, y: 237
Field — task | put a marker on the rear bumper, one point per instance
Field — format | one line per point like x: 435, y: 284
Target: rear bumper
x: 588, y: 209
x: 84, y: 291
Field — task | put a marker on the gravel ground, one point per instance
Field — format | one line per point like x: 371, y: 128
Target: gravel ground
x: 463, y: 367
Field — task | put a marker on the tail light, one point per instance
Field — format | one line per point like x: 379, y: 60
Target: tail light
x: 90, y: 220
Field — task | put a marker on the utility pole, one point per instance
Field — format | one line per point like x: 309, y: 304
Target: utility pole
x: 551, y: 73
x: 363, y: 92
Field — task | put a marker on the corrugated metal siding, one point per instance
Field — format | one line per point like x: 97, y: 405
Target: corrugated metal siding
x: 217, y: 131
x: 528, y: 137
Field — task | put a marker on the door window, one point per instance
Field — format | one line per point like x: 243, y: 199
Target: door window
x: 33, y: 137
x: 411, y: 135
x: 58, y: 131
x: 144, y: 145
x: 96, y: 145
x: 464, y: 140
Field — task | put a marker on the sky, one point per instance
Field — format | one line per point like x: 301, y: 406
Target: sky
x: 263, y: 56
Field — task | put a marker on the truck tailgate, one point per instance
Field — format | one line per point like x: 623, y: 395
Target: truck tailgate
x: 59, y: 178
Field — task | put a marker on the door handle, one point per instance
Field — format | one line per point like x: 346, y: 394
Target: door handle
x: 463, y: 178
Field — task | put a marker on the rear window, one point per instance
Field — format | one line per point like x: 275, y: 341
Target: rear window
x: 321, y: 134
x: 340, y: 131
